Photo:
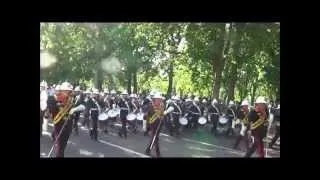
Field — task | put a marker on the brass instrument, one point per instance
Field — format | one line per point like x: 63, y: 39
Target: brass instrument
x: 64, y: 111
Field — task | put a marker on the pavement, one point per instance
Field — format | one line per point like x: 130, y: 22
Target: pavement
x: 199, y: 143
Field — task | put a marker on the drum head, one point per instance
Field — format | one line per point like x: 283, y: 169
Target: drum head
x: 102, y: 117
x: 112, y: 113
x: 202, y: 120
x: 131, y: 117
x: 118, y: 111
x: 223, y: 120
x: 140, y: 116
x: 183, y: 121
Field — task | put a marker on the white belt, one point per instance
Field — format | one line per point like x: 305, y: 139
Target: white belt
x: 94, y: 109
x: 124, y: 108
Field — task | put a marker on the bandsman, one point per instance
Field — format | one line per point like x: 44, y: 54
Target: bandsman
x: 258, y: 124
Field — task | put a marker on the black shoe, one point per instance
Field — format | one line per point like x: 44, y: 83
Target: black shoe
x: 148, y: 152
x: 135, y: 131
x: 105, y: 131
x: 119, y: 133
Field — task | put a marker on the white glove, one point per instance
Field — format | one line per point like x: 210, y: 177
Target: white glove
x: 71, y: 111
x: 243, y: 129
x: 169, y: 110
x: 77, y: 109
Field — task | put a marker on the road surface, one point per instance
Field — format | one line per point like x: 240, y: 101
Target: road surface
x: 198, y: 143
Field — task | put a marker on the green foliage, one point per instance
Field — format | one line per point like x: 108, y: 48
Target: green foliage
x: 247, y: 56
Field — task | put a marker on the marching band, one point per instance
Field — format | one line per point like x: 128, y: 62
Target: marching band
x: 64, y: 105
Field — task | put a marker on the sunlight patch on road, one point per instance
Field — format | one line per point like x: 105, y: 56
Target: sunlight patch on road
x: 201, y: 149
x: 85, y: 152
x: 200, y: 156
x: 131, y: 152
x: 167, y: 140
x: 216, y: 146
x: 100, y: 155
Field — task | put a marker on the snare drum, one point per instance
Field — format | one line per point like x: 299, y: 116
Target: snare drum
x: 103, y: 116
x: 183, y: 121
x: 202, y: 120
x: 131, y: 117
x: 223, y: 120
x: 112, y: 113
x: 140, y: 116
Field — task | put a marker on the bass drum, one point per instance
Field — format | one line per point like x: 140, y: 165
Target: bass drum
x: 131, y: 117
x: 103, y: 117
x: 202, y: 120
x: 183, y: 121
x: 140, y: 116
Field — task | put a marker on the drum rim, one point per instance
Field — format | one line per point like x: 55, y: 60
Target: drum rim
x: 205, y: 120
x: 226, y: 120
x: 103, y: 118
x: 131, y: 114
x: 184, y: 120
x: 139, y: 115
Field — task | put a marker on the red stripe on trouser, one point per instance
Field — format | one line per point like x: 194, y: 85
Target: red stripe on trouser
x: 259, y: 145
x: 61, y: 142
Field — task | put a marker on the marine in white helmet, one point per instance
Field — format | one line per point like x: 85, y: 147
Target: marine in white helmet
x: 43, y: 103
x: 94, y: 109
x: 79, y: 100
x: 63, y: 121
x: 257, y: 126
x: 194, y: 113
x: 243, y: 116
x: 231, y: 115
x: 155, y: 116
x: 213, y: 115
x: 172, y: 119
x: 276, y: 120
x: 125, y: 108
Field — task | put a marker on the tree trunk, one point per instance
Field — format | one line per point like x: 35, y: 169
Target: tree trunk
x: 225, y: 98
x: 254, y: 89
x: 169, y: 91
x: 129, y: 78
x: 234, y: 66
x: 219, y: 62
x: 112, y: 83
x: 278, y: 94
x: 241, y: 93
x: 99, y: 79
x: 232, y: 82
x: 181, y: 93
x: 135, y: 82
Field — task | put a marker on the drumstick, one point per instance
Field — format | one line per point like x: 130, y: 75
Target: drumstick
x: 156, y: 134
x: 60, y: 132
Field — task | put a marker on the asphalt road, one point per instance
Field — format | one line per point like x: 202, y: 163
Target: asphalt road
x: 198, y: 143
